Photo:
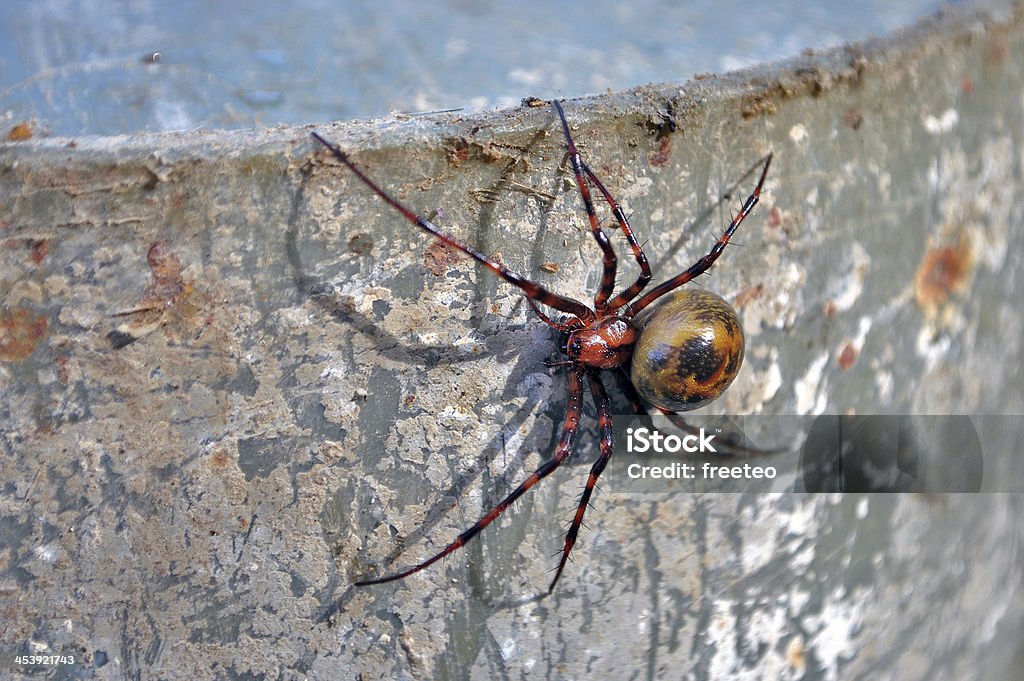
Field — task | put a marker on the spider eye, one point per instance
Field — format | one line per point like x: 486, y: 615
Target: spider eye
x: 689, y: 351
x: 563, y: 341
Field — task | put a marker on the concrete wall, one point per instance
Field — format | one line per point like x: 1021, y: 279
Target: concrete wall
x: 233, y: 382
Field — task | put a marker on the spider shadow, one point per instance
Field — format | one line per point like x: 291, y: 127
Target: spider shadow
x: 705, y: 216
x: 343, y: 308
x: 527, y: 360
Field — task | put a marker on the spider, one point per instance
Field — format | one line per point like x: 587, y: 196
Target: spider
x: 682, y: 354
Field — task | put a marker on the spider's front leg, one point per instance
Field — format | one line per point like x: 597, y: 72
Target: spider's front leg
x: 583, y: 173
x: 531, y: 289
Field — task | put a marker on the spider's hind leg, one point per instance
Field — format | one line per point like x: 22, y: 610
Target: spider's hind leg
x: 604, y: 420
x: 565, y: 446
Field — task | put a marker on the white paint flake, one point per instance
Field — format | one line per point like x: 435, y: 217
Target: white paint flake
x: 809, y: 398
x: 945, y: 122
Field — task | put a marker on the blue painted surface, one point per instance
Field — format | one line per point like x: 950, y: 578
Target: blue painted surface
x: 84, y: 67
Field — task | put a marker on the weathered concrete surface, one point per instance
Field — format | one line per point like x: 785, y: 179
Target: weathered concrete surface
x: 233, y: 382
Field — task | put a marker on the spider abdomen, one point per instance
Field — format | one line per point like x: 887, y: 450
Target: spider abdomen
x: 689, y: 350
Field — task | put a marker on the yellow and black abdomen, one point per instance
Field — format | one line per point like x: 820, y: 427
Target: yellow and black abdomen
x: 689, y: 351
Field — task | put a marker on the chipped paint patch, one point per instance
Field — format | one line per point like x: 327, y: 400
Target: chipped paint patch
x: 885, y: 382
x: 771, y: 380
x: 778, y: 308
x: 932, y: 346
x: 836, y: 639
x: 810, y: 399
x: 640, y: 186
x: 944, y: 122
x: 47, y: 553
x: 722, y: 635
x: 845, y: 291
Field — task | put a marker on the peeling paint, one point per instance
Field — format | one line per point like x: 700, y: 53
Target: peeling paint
x: 943, y: 123
x: 810, y: 395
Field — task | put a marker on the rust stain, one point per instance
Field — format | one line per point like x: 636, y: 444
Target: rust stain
x: 167, y: 282
x: 457, y: 153
x: 459, y: 150
x: 167, y: 298
x: 439, y: 256
x: 944, y: 272
x: 796, y: 654
x: 62, y: 368
x: 40, y: 249
x: 663, y: 154
x: 549, y: 267
x: 853, y: 118
x: 20, y: 132
x: 21, y: 330
x: 848, y: 356
x: 221, y: 460
x: 746, y: 295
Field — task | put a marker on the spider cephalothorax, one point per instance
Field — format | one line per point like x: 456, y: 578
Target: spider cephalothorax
x: 605, y: 343
x: 678, y: 355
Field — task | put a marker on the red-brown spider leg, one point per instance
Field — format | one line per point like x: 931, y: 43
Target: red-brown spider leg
x: 604, y: 421
x: 562, y: 451
x: 561, y: 326
x: 705, y: 262
x: 610, y: 259
x: 531, y: 289
x: 638, y: 251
